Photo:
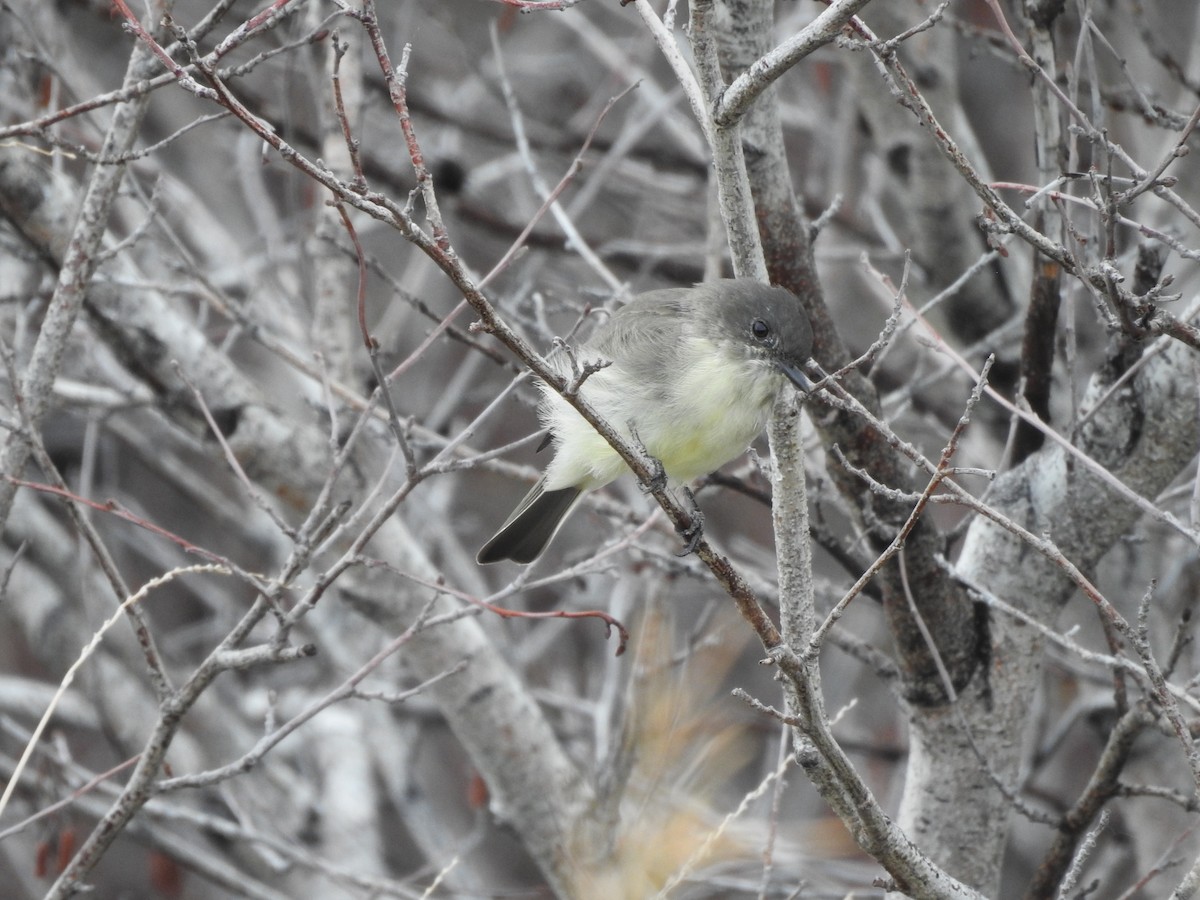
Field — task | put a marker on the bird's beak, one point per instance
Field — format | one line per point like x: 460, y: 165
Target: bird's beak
x: 797, y: 377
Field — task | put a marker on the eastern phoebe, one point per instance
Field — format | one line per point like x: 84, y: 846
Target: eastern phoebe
x: 694, y: 375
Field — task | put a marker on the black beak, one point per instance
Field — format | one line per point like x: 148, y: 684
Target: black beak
x: 797, y: 377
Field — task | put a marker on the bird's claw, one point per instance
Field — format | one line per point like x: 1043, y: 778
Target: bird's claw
x: 658, y: 476
x: 657, y: 479
x: 693, y: 531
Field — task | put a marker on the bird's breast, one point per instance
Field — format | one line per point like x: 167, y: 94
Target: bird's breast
x: 693, y: 410
x: 720, y: 403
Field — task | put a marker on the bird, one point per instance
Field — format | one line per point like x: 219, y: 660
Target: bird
x: 690, y: 374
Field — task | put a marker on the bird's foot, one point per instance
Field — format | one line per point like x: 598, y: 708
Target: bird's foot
x: 658, y: 476
x: 657, y: 479
x: 694, y: 530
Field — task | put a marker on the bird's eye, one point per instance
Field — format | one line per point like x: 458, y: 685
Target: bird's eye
x: 760, y: 329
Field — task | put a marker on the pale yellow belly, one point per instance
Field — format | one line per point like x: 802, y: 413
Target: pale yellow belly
x: 716, y: 411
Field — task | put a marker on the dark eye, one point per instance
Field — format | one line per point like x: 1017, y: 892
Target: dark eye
x: 760, y: 329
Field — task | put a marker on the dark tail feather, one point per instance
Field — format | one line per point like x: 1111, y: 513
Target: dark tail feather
x: 531, y: 526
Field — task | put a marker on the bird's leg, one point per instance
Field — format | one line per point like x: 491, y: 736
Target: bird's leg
x: 694, y: 530
x: 658, y: 475
x: 657, y: 481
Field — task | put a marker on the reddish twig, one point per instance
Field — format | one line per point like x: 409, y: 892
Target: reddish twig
x: 527, y: 6
x: 114, y: 508
x: 610, y: 621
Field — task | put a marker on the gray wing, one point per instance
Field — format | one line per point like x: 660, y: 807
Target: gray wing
x: 644, y: 335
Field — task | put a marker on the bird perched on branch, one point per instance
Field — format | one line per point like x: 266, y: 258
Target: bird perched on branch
x: 691, y: 374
